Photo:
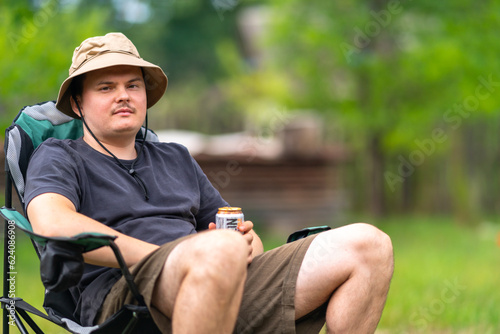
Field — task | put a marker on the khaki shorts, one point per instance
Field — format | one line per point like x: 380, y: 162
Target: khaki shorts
x: 268, y: 299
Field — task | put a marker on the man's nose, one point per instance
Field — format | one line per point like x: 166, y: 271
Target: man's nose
x: 122, y: 94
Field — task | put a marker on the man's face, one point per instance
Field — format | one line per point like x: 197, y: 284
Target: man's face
x: 114, y: 101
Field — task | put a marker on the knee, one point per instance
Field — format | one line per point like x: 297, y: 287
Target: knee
x: 364, y: 244
x: 370, y: 237
x: 372, y: 245
x: 223, y: 257
x: 227, y: 245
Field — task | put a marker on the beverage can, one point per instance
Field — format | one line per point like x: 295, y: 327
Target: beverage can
x: 229, y: 218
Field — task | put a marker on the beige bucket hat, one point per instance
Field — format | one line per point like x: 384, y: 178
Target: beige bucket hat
x: 105, y: 51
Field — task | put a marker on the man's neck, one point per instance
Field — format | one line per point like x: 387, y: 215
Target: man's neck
x: 122, y: 149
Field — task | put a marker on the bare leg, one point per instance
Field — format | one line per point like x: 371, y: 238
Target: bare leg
x: 350, y: 268
x: 201, y: 284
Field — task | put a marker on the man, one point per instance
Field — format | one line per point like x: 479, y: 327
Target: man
x: 160, y: 205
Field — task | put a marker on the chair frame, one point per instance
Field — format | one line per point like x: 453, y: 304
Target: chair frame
x: 16, y: 310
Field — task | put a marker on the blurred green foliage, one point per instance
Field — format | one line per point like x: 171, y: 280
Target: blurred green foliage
x: 408, y: 82
x: 410, y: 88
x: 36, y: 46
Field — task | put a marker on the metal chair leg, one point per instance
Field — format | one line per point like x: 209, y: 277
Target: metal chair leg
x: 30, y: 321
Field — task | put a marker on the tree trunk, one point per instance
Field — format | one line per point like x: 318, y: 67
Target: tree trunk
x: 460, y: 190
x: 376, y: 186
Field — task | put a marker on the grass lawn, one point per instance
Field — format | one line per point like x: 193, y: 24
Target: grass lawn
x: 445, y: 281
x: 446, y: 278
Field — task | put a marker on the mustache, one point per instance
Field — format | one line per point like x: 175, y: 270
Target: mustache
x: 124, y: 105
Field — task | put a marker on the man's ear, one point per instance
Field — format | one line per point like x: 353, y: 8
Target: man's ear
x: 74, y: 100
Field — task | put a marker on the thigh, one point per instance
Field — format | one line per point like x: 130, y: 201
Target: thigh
x: 330, y: 260
x: 268, y: 304
x: 145, y: 275
x: 212, y: 256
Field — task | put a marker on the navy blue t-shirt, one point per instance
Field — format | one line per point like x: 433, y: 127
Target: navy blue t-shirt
x: 181, y: 199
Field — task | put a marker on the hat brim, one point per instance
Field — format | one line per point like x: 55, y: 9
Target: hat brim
x: 155, y: 78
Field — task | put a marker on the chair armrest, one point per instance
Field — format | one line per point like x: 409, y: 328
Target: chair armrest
x: 89, y: 241
x: 61, y: 261
x: 305, y: 232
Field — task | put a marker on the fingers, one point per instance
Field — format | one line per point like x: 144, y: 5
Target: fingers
x: 250, y: 253
x: 246, y: 226
x: 248, y: 237
x: 245, y: 229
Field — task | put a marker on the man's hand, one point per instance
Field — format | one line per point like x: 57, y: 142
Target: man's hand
x: 254, y: 243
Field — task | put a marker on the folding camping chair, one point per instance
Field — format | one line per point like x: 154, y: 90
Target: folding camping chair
x: 30, y: 128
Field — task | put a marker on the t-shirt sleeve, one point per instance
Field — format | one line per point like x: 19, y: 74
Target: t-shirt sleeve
x: 53, y: 169
x: 210, y: 200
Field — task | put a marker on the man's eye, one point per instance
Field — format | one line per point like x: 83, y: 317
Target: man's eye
x: 104, y: 88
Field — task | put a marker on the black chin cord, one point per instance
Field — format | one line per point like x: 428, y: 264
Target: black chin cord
x: 130, y: 170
